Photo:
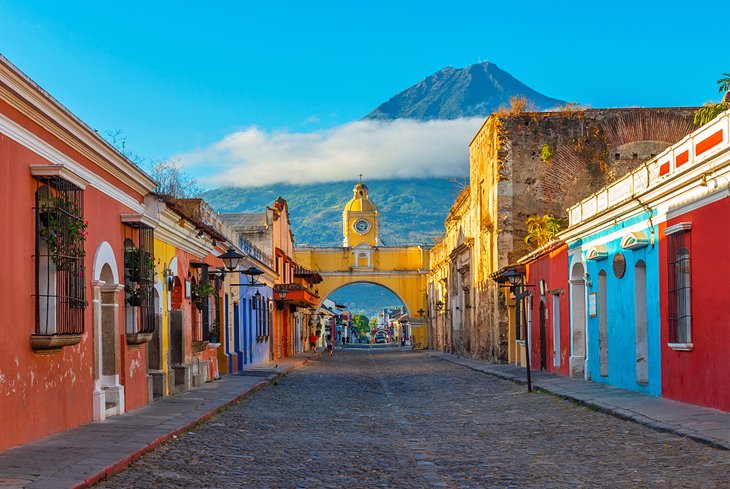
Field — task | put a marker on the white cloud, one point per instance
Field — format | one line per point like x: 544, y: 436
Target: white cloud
x: 401, y: 148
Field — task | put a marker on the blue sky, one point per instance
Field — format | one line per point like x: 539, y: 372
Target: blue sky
x: 180, y: 77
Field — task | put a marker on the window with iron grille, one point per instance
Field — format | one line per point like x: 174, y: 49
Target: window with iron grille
x: 267, y: 325
x: 216, y: 322
x: 59, y: 257
x: 139, y: 278
x: 679, y: 285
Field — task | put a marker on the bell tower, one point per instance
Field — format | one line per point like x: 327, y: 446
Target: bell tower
x: 360, y: 219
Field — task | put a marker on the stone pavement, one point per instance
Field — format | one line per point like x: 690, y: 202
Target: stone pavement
x: 84, y: 455
x: 397, y: 419
x: 705, y: 425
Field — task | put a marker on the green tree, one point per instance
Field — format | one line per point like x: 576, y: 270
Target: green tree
x: 709, y: 111
x: 541, y: 229
x: 361, y: 323
x: 724, y: 83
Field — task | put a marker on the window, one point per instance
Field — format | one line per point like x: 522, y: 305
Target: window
x: 679, y: 284
x: 139, y: 278
x: 60, y: 252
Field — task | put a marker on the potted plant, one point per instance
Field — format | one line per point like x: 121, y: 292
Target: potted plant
x: 63, y: 229
x: 133, y: 294
x: 199, y: 291
x: 135, y: 260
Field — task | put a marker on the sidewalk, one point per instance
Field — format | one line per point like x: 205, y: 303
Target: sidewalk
x: 709, y: 426
x: 84, y: 455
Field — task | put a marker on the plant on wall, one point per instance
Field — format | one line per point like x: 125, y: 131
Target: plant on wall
x: 63, y: 229
x: 199, y: 291
x: 541, y: 229
x: 139, y: 270
x: 547, y: 152
x: 709, y: 111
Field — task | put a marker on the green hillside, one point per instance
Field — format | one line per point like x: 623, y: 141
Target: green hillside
x: 411, y: 211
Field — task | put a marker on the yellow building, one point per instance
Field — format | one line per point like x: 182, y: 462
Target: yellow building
x: 362, y: 259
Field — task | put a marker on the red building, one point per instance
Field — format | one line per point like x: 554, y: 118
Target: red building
x: 68, y: 200
x: 694, y: 266
x: 548, y: 308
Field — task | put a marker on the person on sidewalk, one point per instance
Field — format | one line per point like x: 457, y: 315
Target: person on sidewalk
x: 313, y: 343
x: 330, y: 346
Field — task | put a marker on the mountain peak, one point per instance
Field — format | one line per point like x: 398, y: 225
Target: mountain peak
x: 474, y: 91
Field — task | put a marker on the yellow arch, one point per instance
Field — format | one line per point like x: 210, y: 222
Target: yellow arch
x: 401, y: 269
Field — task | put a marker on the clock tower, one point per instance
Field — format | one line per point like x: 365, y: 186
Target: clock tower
x: 360, y: 224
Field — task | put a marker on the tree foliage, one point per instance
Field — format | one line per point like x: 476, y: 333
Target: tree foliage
x: 724, y: 83
x: 361, y: 323
x: 173, y: 181
x: 541, y: 229
x: 710, y: 110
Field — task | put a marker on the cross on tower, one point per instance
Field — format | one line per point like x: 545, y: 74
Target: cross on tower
x: 361, y: 178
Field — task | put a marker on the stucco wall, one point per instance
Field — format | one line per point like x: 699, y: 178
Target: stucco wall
x: 701, y: 376
x: 553, y: 269
x: 621, y: 322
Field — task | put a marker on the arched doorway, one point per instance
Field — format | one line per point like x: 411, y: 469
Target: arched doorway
x: 108, y: 396
x: 383, y: 309
x: 177, y: 336
x: 577, y: 320
x: 155, y: 354
x: 543, y: 336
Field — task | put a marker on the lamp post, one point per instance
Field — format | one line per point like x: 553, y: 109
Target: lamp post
x: 231, y: 259
x: 515, y: 279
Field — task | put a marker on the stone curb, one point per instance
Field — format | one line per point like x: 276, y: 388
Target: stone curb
x: 128, y: 460
x: 597, y: 405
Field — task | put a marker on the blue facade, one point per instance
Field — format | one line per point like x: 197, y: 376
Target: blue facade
x: 254, y: 348
x: 626, y: 308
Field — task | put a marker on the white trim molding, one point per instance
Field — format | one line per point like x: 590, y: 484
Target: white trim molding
x: 140, y: 219
x: 634, y: 241
x: 40, y: 147
x: 678, y: 228
x: 62, y: 171
x: 597, y: 253
x: 681, y: 346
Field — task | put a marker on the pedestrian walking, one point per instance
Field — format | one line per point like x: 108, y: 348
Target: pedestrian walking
x: 330, y: 346
x: 313, y: 343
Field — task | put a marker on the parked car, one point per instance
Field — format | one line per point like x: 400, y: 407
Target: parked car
x: 381, y: 337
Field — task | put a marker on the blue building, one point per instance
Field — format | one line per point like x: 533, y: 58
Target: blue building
x: 614, y: 270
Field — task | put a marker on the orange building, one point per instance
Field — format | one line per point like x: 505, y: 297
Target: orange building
x: 69, y: 200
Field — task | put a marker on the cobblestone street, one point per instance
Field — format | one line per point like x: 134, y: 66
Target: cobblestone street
x: 402, y: 419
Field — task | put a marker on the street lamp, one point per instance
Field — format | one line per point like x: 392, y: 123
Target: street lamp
x: 514, y: 277
x: 231, y: 259
x: 252, y: 273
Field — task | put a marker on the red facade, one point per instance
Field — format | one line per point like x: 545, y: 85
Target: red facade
x: 43, y: 391
x: 700, y: 374
x: 548, y: 274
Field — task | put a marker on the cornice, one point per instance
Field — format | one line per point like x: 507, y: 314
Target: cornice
x: 181, y: 237
x: 43, y: 149
x: 23, y: 94
x: 673, y: 191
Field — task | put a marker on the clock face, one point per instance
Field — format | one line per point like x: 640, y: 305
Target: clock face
x: 361, y: 226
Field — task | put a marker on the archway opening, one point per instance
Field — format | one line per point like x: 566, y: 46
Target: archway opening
x: 363, y: 313
x: 577, y: 320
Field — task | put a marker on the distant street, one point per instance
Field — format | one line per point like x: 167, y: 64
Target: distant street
x: 388, y: 418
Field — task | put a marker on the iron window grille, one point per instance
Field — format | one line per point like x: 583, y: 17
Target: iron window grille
x: 214, y: 335
x: 59, y: 257
x: 679, y: 287
x: 139, y: 278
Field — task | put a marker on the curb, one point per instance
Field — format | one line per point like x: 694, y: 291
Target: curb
x: 128, y: 460
x: 600, y: 407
